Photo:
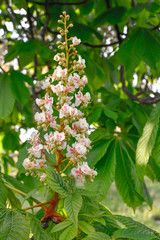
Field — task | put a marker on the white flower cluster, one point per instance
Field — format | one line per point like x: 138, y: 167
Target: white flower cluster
x: 66, y: 134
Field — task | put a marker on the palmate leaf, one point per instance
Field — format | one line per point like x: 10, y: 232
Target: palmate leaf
x: 73, y: 204
x: 13, y: 225
x: 147, y: 141
x: 7, y: 99
x: 56, y: 182
x: 37, y: 230
x: 134, y: 233
x: 106, y: 172
x: 126, y: 178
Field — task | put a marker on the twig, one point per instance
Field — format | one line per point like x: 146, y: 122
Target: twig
x: 101, y: 45
x: 45, y: 26
x: 142, y: 100
x: 2, y: 70
x: 38, y: 205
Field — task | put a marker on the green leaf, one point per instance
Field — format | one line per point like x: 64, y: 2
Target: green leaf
x: 131, y: 52
x: 97, y: 152
x: 147, y: 195
x: 13, y: 225
x: 147, y: 141
x: 73, y: 204
x: 3, y: 194
x: 10, y: 141
x: 113, y: 16
x: 20, y: 91
x: 15, y: 183
x: 126, y: 178
x: 106, y: 172
x: 23, y: 77
x: 155, y: 168
x: 14, y: 201
x: 134, y: 233
x: 97, y: 236
x: 51, y: 157
x: 37, y: 230
x: 84, y: 32
x: 69, y: 234
x: 56, y: 182
x: 85, y: 227
x: 61, y: 225
x: 152, y: 55
x: 95, y: 115
x: 130, y: 223
x: 23, y: 153
x: 7, y: 99
x: 12, y: 52
x: 111, y: 114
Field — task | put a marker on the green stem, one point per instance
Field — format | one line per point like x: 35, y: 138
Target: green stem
x: 22, y: 193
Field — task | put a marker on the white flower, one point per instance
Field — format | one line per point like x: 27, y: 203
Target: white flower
x: 39, y: 163
x: 87, y: 170
x: 48, y: 103
x: 40, y: 117
x: 77, y: 151
x: 39, y: 101
x: 27, y: 164
x: 74, y: 80
x: 59, y: 72
x: 59, y: 136
x: 83, y: 124
x: 79, y: 98
x: 83, y: 170
x: 81, y: 149
x: 64, y: 110
x: 36, y: 150
x: 56, y: 58
x: 85, y: 141
x: 49, y: 138
x: 46, y: 83
x: 43, y: 177
x: 81, y: 61
x: 84, y: 80
x: 34, y: 138
x: 58, y: 89
x: 76, y: 41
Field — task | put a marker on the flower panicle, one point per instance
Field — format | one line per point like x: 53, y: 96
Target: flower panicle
x: 64, y: 125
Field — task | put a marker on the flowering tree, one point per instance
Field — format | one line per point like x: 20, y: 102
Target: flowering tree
x: 56, y: 157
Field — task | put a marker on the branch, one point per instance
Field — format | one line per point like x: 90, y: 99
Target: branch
x: 2, y: 69
x: 61, y: 3
x: 45, y: 26
x: 101, y: 45
x: 142, y: 100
